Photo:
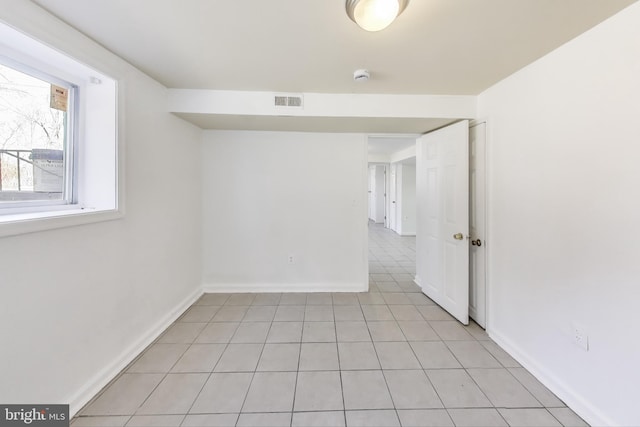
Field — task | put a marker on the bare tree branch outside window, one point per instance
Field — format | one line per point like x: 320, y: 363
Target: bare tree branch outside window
x: 26, y: 123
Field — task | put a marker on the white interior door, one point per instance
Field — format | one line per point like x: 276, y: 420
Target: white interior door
x: 372, y: 201
x: 378, y: 194
x: 393, y: 210
x: 385, y: 199
x: 477, y: 251
x: 442, y: 248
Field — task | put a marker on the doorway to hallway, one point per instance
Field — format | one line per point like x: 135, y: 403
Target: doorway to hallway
x: 392, y: 260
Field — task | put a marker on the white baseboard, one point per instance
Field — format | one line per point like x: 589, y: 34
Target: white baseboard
x: 564, y: 391
x: 270, y: 288
x: 102, y: 378
x: 399, y: 232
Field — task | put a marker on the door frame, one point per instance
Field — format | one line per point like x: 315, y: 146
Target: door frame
x: 385, y: 171
x: 393, y: 197
x: 370, y: 182
x: 487, y: 213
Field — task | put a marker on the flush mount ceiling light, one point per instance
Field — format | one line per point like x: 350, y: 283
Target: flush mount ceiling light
x: 375, y: 15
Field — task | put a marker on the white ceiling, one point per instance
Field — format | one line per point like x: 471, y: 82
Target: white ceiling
x: 436, y: 47
x: 449, y: 47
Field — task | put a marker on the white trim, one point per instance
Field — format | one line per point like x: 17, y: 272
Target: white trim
x: 387, y: 199
x: 408, y: 234
x: 592, y: 415
x: 240, y: 288
x: 416, y: 280
x: 365, y: 212
x: 109, y: 373
x: 488, y: 183
x: 487, y: 237
x: 13, y: 225
x: 98, y: 177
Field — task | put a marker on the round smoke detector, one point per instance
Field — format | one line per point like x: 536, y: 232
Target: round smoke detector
x: 361, y: 75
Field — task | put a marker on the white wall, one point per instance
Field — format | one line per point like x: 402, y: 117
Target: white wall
x: 333, y: 105
x: 268, y: 195
x: 406, y: 154
x: 78, y: 303
x: 378, y: 158
x: 564, y: 208
x: 407, y: 200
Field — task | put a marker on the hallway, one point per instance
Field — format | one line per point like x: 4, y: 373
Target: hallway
x: 387, y: 357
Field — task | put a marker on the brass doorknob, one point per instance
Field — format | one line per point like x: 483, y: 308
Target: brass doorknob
x: 476, y: 242
x: 458, y: 236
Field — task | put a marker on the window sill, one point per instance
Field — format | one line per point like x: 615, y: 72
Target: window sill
x: 17, y: 224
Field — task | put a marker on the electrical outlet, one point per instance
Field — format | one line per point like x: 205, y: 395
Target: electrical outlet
x: 580, y: 337
x: 291, y: 259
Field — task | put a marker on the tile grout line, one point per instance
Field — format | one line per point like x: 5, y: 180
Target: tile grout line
x: 344, y: 407
x: 295, y: 387
x: 213, y: 369
x: 381, y: 367
x: 253, y: 374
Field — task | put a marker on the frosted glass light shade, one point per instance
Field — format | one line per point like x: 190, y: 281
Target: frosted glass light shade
x: 375, y: 15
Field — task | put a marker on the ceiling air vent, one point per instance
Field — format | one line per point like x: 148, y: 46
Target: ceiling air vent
x: 287, y: 101
x: 294, y: 101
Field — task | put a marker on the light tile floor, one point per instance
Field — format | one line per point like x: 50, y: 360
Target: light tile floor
x: 388, y: 357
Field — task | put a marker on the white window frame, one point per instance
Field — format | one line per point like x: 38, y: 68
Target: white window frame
x: 95, y: 190
x: 70, y: 196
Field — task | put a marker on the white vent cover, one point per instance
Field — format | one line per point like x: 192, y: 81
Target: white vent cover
x: 287, y: 100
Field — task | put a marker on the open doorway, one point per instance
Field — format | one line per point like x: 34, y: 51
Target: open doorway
x: 392, y: 213
x: 388, y: 182
x: 402, y: 194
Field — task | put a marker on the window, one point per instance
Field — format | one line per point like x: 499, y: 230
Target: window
x: 37, y: 129
x: 59, y: 138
